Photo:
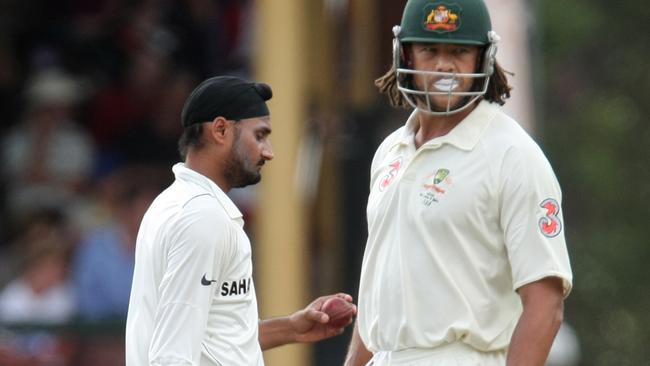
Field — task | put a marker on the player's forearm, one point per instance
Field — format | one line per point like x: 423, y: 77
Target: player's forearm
x: 275, y: 332
x: 358, y: 354
x: 531, y: 342
x: 537, y: 327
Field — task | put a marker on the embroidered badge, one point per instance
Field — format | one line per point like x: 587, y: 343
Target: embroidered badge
x: 442, y: 18
x: 550, y: 225
x: 434, y: 186
x: 394, y: 168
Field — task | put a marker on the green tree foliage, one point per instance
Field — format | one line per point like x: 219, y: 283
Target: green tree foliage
x: 596, y: 131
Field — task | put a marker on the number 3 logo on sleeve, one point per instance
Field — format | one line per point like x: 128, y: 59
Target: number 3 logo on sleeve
x: 550, y: 224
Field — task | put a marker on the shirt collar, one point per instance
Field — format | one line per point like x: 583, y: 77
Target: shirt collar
x: 464, y: 136
x: 182, y: 172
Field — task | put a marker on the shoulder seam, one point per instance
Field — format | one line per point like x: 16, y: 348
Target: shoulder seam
x: 193, y: 197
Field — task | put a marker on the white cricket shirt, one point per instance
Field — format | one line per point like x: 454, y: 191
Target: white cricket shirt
x: 455, y: 227
x: 193, y: 298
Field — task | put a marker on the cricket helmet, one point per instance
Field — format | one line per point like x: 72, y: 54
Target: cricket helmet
x: 453, y: 21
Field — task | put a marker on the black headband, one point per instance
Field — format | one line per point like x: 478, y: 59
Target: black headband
x: 226, y: 96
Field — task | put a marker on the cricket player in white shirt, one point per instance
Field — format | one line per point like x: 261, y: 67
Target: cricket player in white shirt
x: 193, y: 296
x: 466, y: 262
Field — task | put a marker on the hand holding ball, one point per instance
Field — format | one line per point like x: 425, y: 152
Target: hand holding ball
x: 339, y: 311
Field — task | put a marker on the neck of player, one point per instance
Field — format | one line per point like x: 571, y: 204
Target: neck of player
x: 208, y: 167
x: 432, y: 126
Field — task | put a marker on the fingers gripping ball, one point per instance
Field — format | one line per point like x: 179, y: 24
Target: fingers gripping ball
x: 339, y: 311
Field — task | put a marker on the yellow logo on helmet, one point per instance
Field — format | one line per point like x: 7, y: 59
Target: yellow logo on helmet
x: 441, y: 18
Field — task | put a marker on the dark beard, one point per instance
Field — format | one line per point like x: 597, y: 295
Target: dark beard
x: 240, y: 172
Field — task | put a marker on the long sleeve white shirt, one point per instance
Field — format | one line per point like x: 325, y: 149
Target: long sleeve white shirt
x: 193, y: 298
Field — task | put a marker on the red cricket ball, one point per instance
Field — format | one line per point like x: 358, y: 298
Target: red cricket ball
x: 339, y: 311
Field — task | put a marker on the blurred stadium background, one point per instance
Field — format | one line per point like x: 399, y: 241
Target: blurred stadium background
x: 90, y: 99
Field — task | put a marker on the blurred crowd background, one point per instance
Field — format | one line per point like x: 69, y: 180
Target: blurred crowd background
x: 90, y: 99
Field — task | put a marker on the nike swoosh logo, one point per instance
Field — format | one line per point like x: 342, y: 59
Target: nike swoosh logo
x: 205, y: 281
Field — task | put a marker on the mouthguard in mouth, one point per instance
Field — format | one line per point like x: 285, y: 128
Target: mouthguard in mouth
x: 446, y: 85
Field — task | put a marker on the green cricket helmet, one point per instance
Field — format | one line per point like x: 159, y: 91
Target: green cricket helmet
x: 453, y: 21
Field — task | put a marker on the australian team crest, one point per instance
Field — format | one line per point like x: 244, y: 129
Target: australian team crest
x: 440, y: 17
x: 435, y: 186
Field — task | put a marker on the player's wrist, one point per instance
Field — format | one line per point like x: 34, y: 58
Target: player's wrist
x: 276, y: 332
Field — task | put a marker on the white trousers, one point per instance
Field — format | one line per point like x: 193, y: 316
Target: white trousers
x: 453, y: 354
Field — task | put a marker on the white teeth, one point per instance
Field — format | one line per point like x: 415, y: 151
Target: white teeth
x: 446, y: 84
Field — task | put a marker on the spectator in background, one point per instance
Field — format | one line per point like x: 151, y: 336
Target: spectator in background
x: 103, y: 265
x: 48, y: 157
x: 120, y: 109
x: 40, y: 294
x: 213, y: 37
x: 161, y: 132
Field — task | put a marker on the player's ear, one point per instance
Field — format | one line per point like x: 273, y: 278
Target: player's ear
x: 219, y: 130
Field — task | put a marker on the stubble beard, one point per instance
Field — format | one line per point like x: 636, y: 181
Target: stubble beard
x: 422, y: 102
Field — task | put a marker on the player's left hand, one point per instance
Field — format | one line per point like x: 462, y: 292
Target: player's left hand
x: 311, y: 325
